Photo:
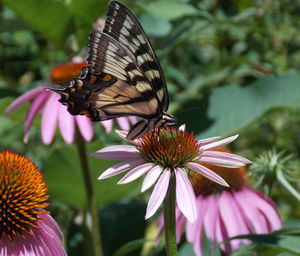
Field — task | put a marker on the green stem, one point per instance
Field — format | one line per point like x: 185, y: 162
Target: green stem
x: 170, y: 218
x: 80, y: 143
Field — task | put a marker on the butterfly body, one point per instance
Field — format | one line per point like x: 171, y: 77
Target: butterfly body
x: 123, y: 77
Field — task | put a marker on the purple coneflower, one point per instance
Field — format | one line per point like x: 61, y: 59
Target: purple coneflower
x: 159, y: 155
x: 225, y: 212
x: 26, y: 228
x: 53, y: 112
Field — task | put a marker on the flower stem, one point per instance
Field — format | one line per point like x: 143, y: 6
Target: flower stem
x: 169, y: 218
x: 80, y: 143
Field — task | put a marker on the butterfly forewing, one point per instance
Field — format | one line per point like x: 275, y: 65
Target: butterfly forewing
x: 123, y: 26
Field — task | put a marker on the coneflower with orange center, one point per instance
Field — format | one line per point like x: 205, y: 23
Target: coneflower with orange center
x: 26, y: 228
x: 169, y: 153
x: 225, y: 212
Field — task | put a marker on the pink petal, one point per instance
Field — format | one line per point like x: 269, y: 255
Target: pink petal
x: 27, y: 96
x: 180, y: 221
x: 207, y: 173
x: 107, y: 124
x: 218, y: 144
x: 123, y: 123
x: 225, y: 156
x: 120, y: 167
x: 210, y: 217
x: 132, y: 119
x: 66, y: 124
x: 34, y: 108
x: 119, y: 152
x: 251, y: 211
x: 136, y: 173
x: 185, y: 196
x: 235, y: 221
x: 49, y: 118
x: 208, y: 140
x: 221, y: 233
x: 158, y: 193
x: 85, y: 127
x: 219, y: 162
x: 123, y: 135
x: 265, y: 206
x: 151, y: 177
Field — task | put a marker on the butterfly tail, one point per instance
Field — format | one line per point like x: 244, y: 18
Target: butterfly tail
x: 51, y: 86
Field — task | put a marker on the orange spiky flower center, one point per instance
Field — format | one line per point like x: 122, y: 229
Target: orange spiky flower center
x: 64, y: 73
x: 169, y: 147
x: 235, y: 177
x: 23, y: 194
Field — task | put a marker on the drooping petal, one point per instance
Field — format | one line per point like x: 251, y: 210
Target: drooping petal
x: 107, y: 124
x: 120, y: 167
x: 136, y: 173
x: 221, y: 233
x: 50, y: 118
x: 207, y: 173
x: 85, y: 127
x: 220, y: 143
x: 210, y: 217
x: 251, y: 211
x: 66, y: 124
x: 225, y: 156
x: 151, y: 177
x: 235, y: 221
x: 123, y: 123
x: 27, y: 96
x: 33, y: 110
x: 132, y: 119
x: 219, y: 162
x: 185, y: 196
x: 158, y: 193
x: 266, y: 206
x: 119, y: 152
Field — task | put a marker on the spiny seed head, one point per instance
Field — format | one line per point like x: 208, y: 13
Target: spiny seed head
x: 235, y: 177
x: 22, y: 195
x: 169, y: 148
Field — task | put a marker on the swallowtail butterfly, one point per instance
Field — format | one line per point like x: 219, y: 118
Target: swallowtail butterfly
x: 123, y: 77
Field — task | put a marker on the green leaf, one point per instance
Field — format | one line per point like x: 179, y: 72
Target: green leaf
x: 155, y: 26
x: 170, y: 9
x: 230, y: 108
x: 280, y: 242
x: 64, y: 178
x: 50, y: 18
x: 85, y: 14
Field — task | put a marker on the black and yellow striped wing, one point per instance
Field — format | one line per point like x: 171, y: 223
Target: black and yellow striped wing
x: 123, y: 76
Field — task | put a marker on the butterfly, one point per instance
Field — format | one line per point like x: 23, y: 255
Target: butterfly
x: 123, y: 77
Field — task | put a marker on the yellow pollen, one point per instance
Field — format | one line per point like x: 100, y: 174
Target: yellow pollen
x: 23, y: 195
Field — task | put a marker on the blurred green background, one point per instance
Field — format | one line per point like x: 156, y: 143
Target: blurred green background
x: 231, y: 67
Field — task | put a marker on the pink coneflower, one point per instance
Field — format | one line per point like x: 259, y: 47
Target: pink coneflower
x: 53, y: 112
x: 225, y: 212
x: 26, y: 228
x: 169, y: 152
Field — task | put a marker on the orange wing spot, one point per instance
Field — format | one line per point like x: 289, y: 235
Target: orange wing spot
x: 85, y: 112
x: 93, y: 79
x: 107, y: 78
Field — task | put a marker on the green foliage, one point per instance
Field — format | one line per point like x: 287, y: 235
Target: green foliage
x: 231, y: 67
